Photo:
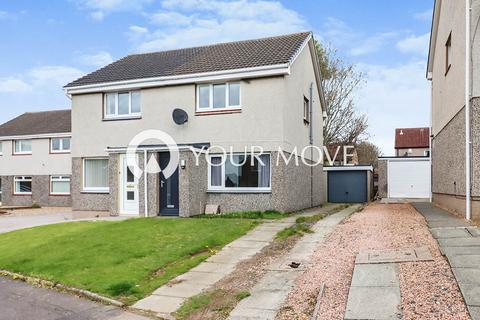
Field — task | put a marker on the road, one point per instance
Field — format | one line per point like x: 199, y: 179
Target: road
x: 19, y: 300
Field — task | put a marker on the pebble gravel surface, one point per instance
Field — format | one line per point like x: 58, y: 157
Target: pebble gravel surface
x: 428, y: 289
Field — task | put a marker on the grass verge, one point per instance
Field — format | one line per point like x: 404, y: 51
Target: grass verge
x: 124, y: 260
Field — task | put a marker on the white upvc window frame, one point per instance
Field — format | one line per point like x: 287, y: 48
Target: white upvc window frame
x: 223, y: 189
x: 130, y: 115
x: 227, y: 97
x: 22, y: 179
x: 93, y: 189
x: 1, y: 148
x: 62, y: 150
x: 21, y: 152
x: 59, y: 179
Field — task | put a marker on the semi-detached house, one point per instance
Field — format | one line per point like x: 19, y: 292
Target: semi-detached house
x: 264, y: 93
x: 35, y: 161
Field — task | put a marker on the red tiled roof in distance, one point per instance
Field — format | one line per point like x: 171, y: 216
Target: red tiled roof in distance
x: 412, y: 138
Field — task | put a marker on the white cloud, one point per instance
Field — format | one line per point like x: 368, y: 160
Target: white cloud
x: 52, y: 75
x: 98, y: 59
x: 351, y: 41
x: 14, y: 85
x: 170, y: 19
x: 415, y: 44
x: 197, y: 22
x: 393, y: 97
x: 372, y: 44
x: 424, y: 16
x: 100, y: 8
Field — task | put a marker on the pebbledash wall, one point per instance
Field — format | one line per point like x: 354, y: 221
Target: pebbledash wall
x: 448, y: 163
x: 40, y: 194
x: 291, y: 190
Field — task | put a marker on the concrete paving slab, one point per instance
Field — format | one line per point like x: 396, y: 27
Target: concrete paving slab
x: 232, y: 255
x: 252, y: 314
x: 460, y: 242
x: 159, y: 304
x: 373, y: 303
x: 180, y: 290
x: 467, y: 275
x: 276, y: 280
x: 452, y: 251
x: 207, y: 278
x: 464, y: 261
x: 474, y: 312
x: 210, y: 267
x: 471, y: 294
x: 375, y: 275
x: 260, y: 236
x: 265, y: 299
x: 248, y: 244
x: 443, y: 233
x: 446, y: 223
x: 392, y: 256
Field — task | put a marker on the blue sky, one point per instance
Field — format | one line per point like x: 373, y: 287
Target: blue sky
x: 47, y: 44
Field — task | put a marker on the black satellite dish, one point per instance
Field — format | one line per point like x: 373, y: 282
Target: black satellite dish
x: 179, y: 116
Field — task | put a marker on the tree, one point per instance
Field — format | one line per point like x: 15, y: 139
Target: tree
x: 368, y: 153
x: 344, y: 124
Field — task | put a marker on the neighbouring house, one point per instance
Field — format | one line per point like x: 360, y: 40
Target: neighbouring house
x: 455, y: 86
x: 35, y: 161
x: 412, y: 142
x: 264, y: 92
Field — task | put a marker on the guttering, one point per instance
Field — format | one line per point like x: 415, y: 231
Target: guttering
x: 162, y: 148
x: 468, y: 213
x: 37, y: 136
x: 417, y: 158
x: 263, y: 71
x: 348, y: 168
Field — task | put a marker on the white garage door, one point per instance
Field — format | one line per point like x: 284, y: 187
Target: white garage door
x: 409, y: 179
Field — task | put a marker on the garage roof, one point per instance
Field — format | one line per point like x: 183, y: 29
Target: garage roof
x: 412, y: 138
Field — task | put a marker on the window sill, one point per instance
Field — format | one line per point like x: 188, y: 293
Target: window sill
x: 246, y: 190
x: 96, y: 191
x: 22, y: 194
x: 122, y: 118
x: 60, y: 194
x: 22, y: 154
x: 60, y: 152
x: 214, y: 112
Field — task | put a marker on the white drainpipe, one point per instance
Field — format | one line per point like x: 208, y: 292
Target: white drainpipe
x: 145, y: 181
x: 468, y: 164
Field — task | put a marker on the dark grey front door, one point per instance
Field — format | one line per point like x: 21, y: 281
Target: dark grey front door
x: 347, y: 186
x: 169, y: 196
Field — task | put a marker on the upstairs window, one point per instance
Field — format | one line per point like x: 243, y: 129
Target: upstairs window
x: 60, y: 145
x: 218, y: 96
x: 448, y: 53
x: 306, y: 110
x: 22, y: 147
x: 123, y: 105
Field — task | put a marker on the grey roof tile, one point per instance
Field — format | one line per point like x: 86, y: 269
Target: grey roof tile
x: 33, y: 123
x: 217, y: 57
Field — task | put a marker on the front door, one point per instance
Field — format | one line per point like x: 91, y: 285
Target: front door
x: 169, y: 199
x: 129, y: 189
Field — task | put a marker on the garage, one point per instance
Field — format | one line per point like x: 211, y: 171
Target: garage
x: 349, y: 184
x: 408, y: 177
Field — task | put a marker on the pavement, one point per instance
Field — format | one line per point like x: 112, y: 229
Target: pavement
x: 460, y: 242
x: 14, y: 222
x: 168, y: 298
x: 19, y: 300
x: 270, y: 292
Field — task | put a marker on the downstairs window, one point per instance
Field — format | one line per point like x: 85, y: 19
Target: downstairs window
x: 240, y: 172
x: 22, y: 185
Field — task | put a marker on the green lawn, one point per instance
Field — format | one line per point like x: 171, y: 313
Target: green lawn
x: 125, y: 260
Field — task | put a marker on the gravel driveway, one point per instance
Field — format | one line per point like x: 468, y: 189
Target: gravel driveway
x: 428, y: 289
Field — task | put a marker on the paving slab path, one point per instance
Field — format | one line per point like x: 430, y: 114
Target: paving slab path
x: 460, y: 242
x: 168, y: 298
x: 268, y: 295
